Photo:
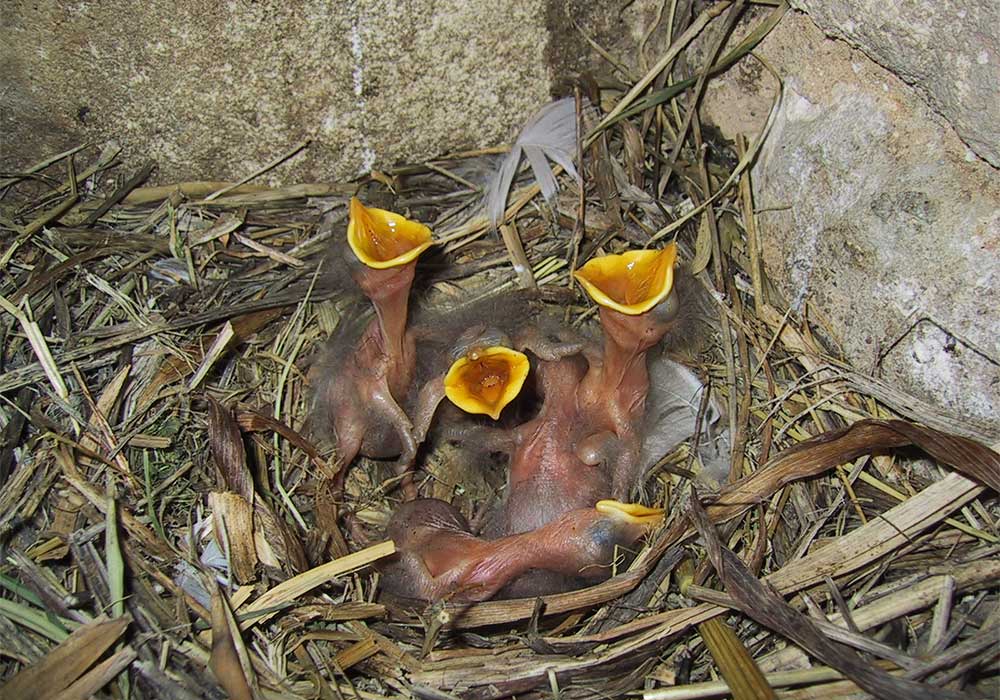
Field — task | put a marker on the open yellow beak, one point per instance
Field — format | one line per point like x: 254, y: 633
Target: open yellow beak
x: 486, y: 379
x: 633, y: 282
x: 381, y: 239
x: 633, y: 513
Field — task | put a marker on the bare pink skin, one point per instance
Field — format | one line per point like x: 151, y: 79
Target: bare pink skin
x: 612, y: 395
x: 362, y: 399
x: 546, y: 477
x: 437, y: 558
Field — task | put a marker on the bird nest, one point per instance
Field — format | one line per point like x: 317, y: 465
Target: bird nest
x: 165, y: 510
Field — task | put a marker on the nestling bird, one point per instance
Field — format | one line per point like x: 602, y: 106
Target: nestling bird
x: 637, y: 308
x: 545, y: 476
x: 438, y: 558
x: 359, y: 392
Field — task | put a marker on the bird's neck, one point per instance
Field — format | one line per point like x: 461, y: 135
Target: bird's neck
x: 391, y: 310
x: 389, y: 291
x: 623, y: 364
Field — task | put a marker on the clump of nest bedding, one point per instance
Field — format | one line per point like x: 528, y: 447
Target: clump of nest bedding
x: 168, y: 529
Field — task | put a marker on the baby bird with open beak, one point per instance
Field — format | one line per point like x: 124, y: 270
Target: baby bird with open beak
x: 438, y: 558
x: 545, y: 476
x: 637, y: 308
x: 359, y: 392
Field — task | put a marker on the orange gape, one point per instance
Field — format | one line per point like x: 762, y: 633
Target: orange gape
x: 381, y: 239
x: 485, y: 380
x: 631, y: 283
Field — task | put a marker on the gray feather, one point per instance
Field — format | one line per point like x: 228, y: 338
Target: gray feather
x: 671, y: 416
x: 550, y: 135
x: 542, y: 170
x: 499, y: 187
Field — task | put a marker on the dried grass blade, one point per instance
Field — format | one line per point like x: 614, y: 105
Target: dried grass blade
x: 38, y: 344
x: 289, y: 590
x: 356, y: 653
x: 260, y: 171
x: 215, y: 351
x: 136, y: 529
x: 113, y: 556
x: 810, y: 676
x: 275, y: 255
x: 42, y: 165
x: 225, y: 225
x: 119, y: 194
x: 99, y: 676
x: 518, y: 258
x: 744, y: 678
x: 174, y: 369
x: 229, y: 661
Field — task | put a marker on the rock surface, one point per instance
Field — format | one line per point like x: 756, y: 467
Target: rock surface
x: 217, y: 90
x: 874, y: 212
x: 949, y: 51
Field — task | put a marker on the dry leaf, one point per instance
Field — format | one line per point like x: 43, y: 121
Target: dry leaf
x: 702, y: 246
x: 62, y: 666
x: 232, y: 521
x: 256, y: 422
x: 226, y: 443
x: 276, y: 543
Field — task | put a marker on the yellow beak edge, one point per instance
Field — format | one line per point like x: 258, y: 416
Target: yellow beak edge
x: 382, y: 239
x: 633, y: 282
x: 631, y: 512
x: 486, y: 379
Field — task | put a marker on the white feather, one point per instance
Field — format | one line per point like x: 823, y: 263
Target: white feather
x: 672, y: 414
x: 550, y: 135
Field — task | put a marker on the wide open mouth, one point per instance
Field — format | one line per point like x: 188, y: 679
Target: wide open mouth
x: 633, y: 513
x: 382, y: 239
x: 633, y: 282
x: 486, y: 379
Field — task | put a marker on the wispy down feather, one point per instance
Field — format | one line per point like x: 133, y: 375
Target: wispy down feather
x: 672, y: 415
x: 550, y: 135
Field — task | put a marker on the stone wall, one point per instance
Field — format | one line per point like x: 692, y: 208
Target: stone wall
x: 215, y: 90
x: 874, y: 211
